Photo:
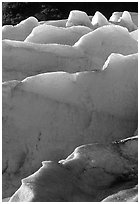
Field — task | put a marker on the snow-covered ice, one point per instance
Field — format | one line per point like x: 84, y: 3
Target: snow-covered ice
x: 20, y: 31
x: 45, y: 34
x: 48, y: 115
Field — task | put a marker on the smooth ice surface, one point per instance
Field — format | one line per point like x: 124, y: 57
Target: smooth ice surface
x: 134, y: 34
x: 44, y: 34
x: 20, y: 31
x: 22, y: 59
x: 126, y: 21
x: 134, y: 17
x: 66, y: 87
x: 105, y: 40
x: 59, y: 86
x: 77, y: 17
x: 99, y: 19
x: 115, y: 16
x: 58, y: 23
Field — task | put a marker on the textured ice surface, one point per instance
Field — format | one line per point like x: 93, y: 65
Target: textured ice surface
x: 20, y: 31
x: 128, y: 195
x: 44, y: 34
x: 91, y: 173
x: 48, y: 115
x: 22, y: 59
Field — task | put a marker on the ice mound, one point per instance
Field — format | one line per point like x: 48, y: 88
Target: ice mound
x: 48, y: 115
x: 77, y: 17
x: 124, y: 19
x: 91, y: 173
x: 22, y: 59
x: 100, y: 43
x: 99, y: 20
x: 20, y: 31
x: 44, y: 34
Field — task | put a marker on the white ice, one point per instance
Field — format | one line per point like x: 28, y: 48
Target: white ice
x: 20, y: 31
x: 127, y: 21
x: 99, y: 20
x: 48, y: 115
x: 22, y: 59
x: 124, y: 19
x: 134, y: 34
x: 77, y: 17
x: 58, y: 23
x: 66, y: 87
x: 46, y: 34
x: 105, y: 40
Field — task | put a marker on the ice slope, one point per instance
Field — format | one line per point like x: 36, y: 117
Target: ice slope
x: 46, y: 34
x: 91, y: 173
x: 77, y: 17
x: 20, y: 31
x: 22, y: 59
x: 48, y: 115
